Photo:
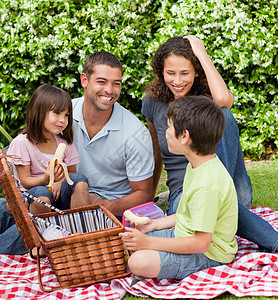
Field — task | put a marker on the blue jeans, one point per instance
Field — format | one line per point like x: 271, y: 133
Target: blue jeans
x: 250, y: 226
x: 65, y: 195
x: 229, y: 151
x: 10, y: 238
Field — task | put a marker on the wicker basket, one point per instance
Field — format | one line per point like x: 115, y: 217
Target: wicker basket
x: 94, y: 253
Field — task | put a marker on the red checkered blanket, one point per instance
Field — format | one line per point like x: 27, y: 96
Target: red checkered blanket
x: 253, y: 273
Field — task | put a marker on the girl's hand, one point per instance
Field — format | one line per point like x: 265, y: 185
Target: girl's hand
x: 197, y: 45
x: 56, y: 189
x: 58, y: 173
x: 134, y: 239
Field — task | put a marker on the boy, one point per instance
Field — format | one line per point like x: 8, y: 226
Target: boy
x: 202, y: 233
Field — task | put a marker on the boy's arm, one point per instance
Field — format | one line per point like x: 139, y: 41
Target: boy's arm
x: 156, y: 224
x: 136, y: 240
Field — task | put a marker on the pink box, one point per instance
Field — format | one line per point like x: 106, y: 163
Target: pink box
x: 149, y: 209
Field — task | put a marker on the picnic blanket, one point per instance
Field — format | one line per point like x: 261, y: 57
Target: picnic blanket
x: 253, y: 273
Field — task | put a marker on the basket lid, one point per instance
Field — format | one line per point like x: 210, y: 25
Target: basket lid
x: 17, y: 207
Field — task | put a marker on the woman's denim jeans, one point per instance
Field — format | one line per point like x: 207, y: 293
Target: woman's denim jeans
x: 250, y: 226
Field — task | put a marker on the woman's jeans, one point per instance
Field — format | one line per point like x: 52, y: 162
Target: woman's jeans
x: 250, y: 226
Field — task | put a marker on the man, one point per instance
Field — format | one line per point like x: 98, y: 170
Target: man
x: 115, y: 148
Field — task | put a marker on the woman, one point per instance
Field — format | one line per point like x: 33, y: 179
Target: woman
x: 182, y: 67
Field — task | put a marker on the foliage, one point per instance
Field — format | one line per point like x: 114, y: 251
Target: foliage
x: 48, y: 40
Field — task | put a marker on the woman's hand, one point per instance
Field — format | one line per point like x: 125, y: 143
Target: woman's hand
x: 218, y: 88
x: 197, y: 45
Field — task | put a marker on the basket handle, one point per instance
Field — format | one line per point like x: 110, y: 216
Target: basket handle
x: 39, y: 274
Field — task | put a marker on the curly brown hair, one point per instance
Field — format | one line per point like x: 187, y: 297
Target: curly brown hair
x: 157, y: 90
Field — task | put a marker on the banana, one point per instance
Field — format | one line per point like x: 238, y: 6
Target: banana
x: 136, y: 219
x: 58, y: 160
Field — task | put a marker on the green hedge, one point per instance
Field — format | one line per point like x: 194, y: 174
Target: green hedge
x: 47, y: 41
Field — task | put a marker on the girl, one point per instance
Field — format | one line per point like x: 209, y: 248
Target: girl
x: 182, y: 67
x: 48, y: 123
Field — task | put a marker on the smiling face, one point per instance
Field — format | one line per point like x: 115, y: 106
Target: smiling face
x: 55, y: 123
x: 103, y: 88
x: 179, y: 75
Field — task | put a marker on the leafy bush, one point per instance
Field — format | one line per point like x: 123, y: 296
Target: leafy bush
x: 48, y: 40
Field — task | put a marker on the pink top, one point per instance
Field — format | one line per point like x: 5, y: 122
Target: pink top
x: 31, y: 155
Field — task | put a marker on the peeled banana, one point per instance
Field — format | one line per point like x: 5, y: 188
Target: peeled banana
x: 136, y: 219
x: 58, y: 160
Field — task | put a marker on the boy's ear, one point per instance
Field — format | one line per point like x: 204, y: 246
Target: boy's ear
x: 185, y: 137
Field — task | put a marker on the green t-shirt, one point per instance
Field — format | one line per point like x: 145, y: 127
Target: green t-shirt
x: 209, y: 204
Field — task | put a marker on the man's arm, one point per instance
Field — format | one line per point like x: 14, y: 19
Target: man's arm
x: 142, y: 192
x: 158, y: 162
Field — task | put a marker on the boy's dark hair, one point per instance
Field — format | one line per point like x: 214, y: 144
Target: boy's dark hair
x: 203, y: 119
x: 157, y: 90
x: 101, y: 58
x: 47, y: 98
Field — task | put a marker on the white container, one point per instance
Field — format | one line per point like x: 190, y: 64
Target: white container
x: 53, y: 232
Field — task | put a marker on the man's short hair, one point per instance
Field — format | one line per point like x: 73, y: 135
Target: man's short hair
x: 101, y: 58
x: 203, y: 119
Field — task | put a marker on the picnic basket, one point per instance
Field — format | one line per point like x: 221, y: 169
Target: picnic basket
x: 94, y: 253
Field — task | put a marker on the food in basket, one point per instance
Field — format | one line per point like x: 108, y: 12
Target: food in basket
x: 58, y: 160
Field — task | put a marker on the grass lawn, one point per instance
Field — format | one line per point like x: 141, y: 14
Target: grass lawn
x: 264, y: 178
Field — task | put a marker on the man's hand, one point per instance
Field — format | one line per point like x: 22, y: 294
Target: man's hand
x: 94, y: 200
